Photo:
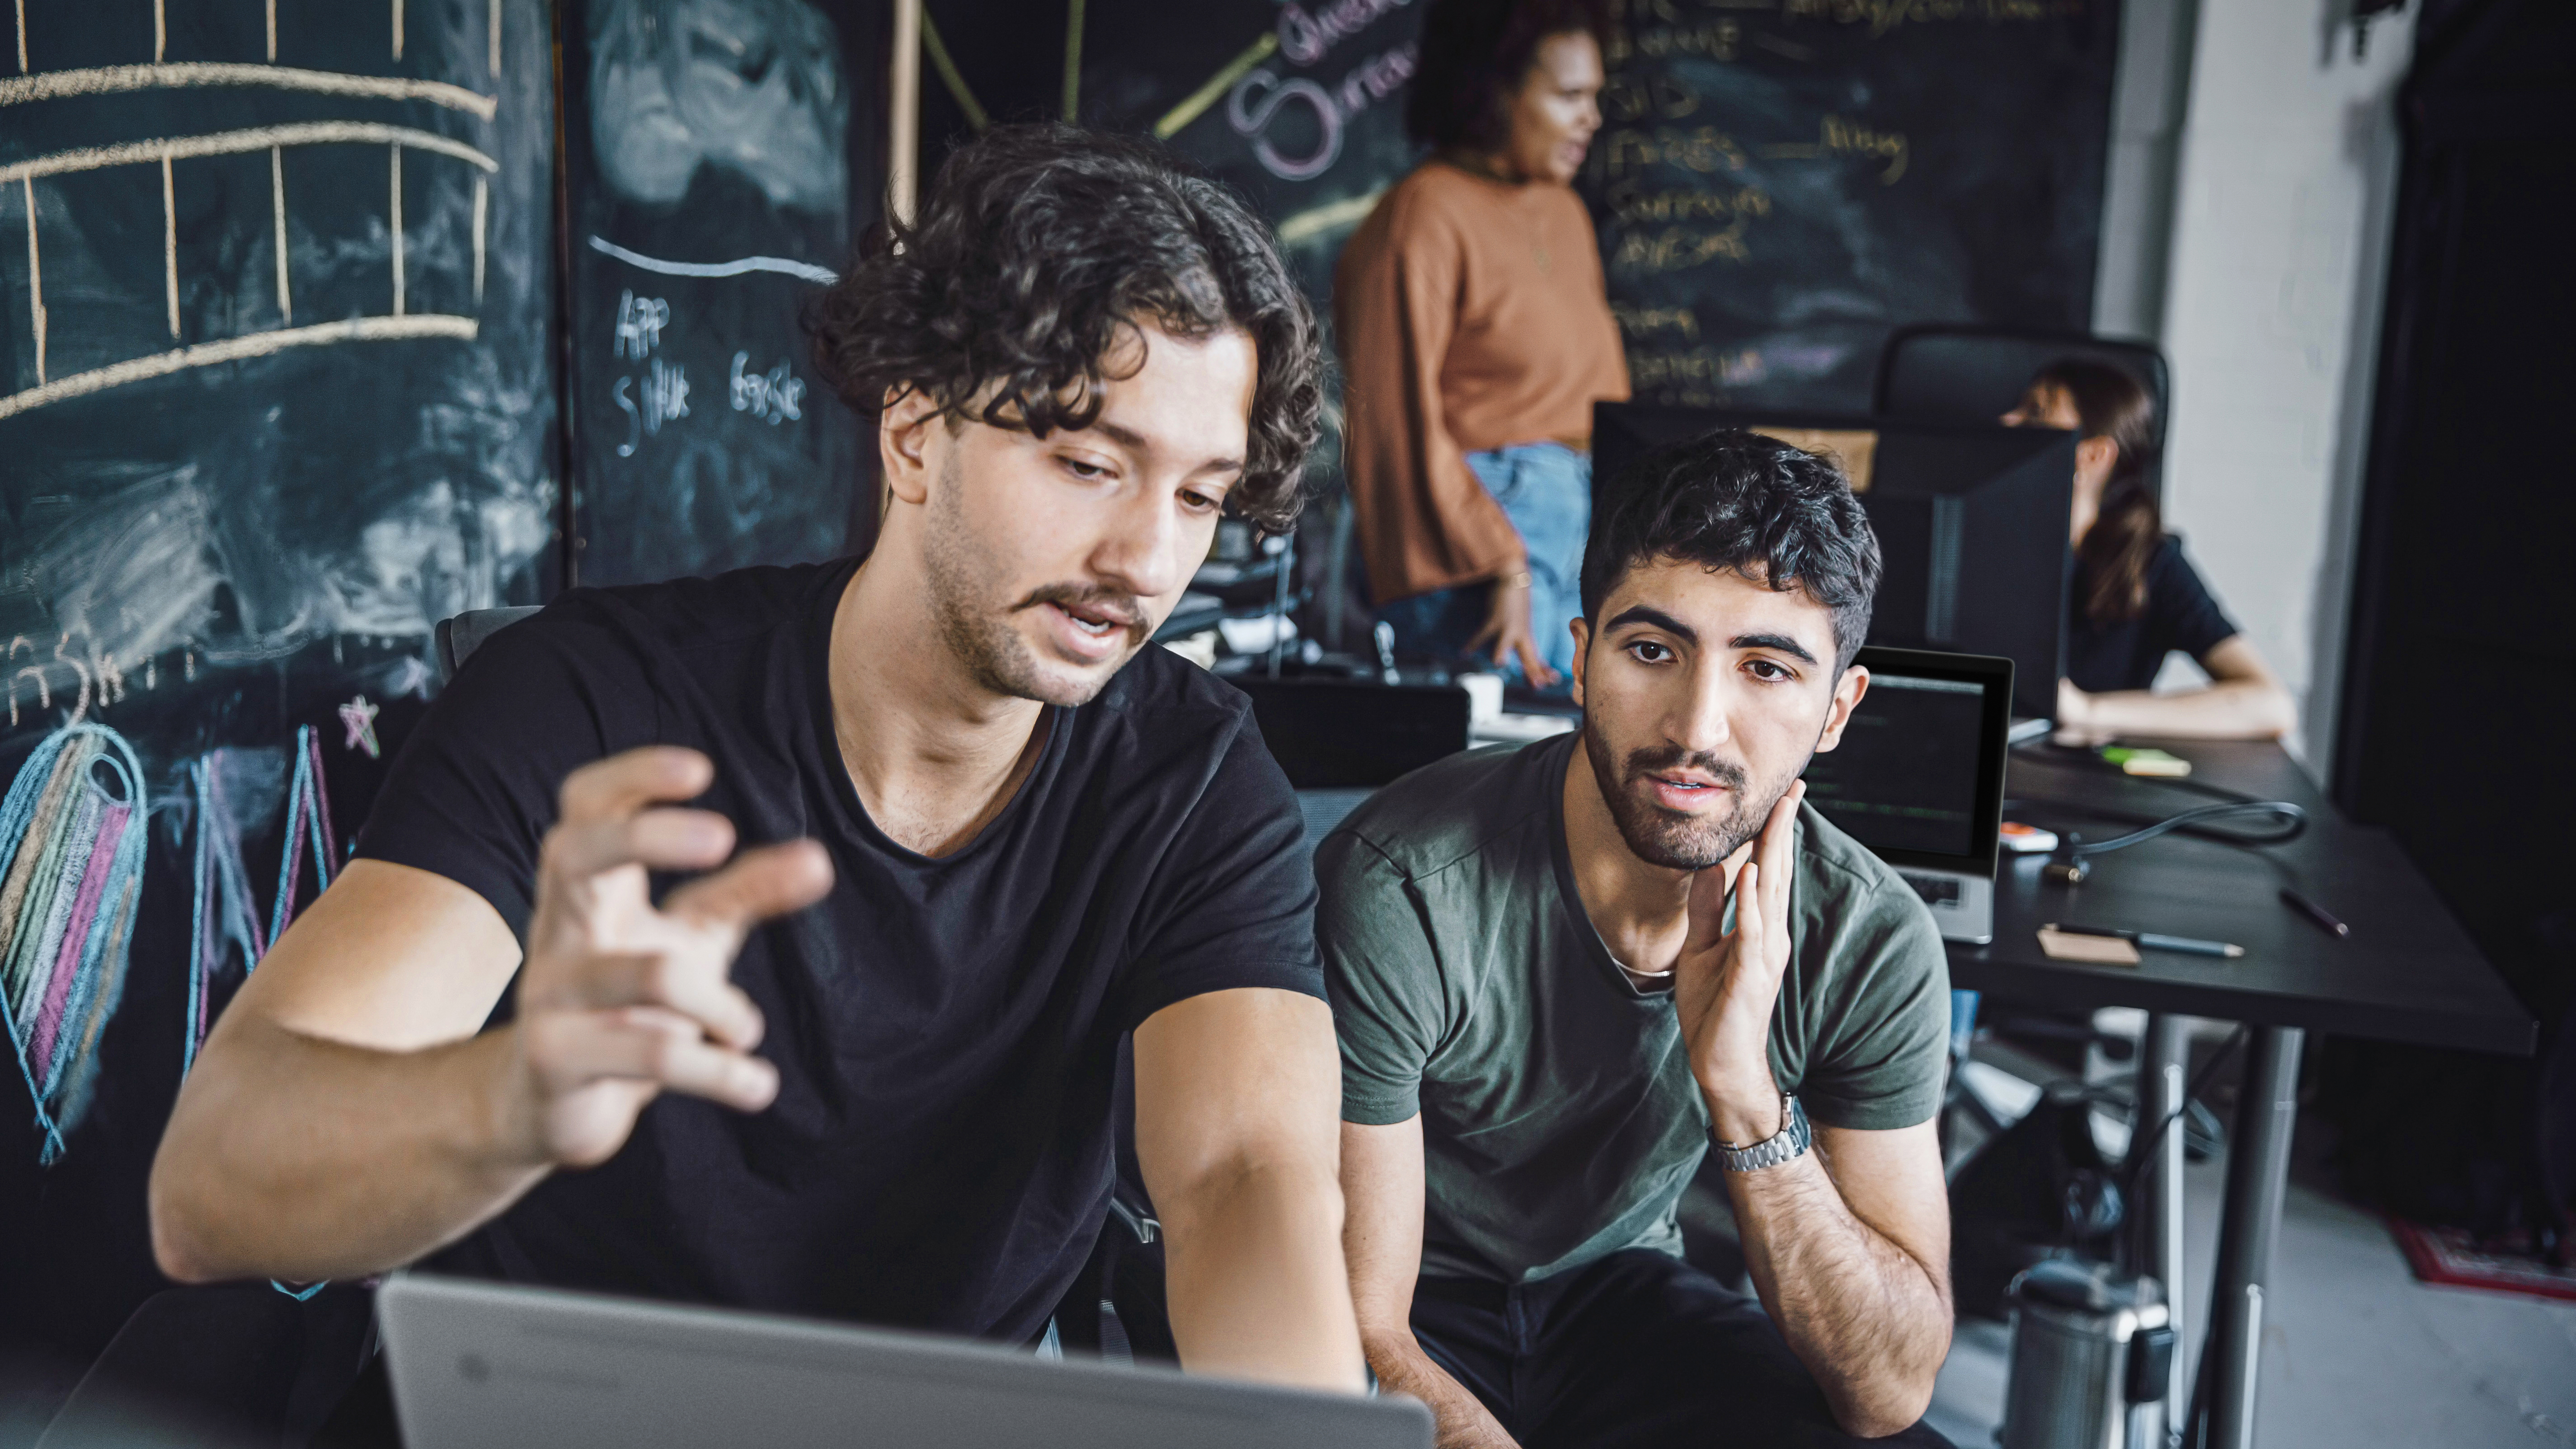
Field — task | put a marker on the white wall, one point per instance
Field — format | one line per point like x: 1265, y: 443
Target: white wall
x: 2271, y: 302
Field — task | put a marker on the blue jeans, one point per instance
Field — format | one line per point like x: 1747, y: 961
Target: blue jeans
x: 1546, y: 491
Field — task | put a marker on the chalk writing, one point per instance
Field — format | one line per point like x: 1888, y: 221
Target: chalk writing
x: 1716, y: 39
x: 1626, y: 97
x: 640, y: 321
x: 1260, y: 98
x: 1679, y: 248
x: 1646, y: 321
x: 1702, y: 148
x: 1839, y: 136
x: 1702, y: 366
x: 662, y: 396
x: 1306, y: 37
x: 774, y: 395
x: 1637, y: 207
x: 1882, y: 16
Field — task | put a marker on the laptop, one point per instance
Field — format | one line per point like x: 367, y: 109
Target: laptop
x: 476, y: 1364
x: 1919, y: 778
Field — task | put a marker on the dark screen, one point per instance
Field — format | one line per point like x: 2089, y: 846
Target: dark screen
x: 1905, y: 776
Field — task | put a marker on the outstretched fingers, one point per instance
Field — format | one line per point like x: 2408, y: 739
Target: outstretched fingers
x: 761, y: 883
x: 648, y: 1044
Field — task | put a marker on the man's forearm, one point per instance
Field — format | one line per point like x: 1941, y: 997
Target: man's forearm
x: 2228, y: 709
x: 293, y: 1158
x: 1868, y: 1319
x: 1463, y: 1421
x: 1255, y: 1278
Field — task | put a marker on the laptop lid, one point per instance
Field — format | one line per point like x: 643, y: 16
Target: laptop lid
x: 1919, y: 775
x: 475, y: 1364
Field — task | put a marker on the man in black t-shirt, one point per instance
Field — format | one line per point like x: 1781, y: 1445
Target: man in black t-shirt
x: 863, y: 1067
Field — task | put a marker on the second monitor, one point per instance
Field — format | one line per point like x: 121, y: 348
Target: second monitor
x: 1971, y: 523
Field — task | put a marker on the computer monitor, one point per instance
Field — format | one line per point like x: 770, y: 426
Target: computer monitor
x: 1971, y: 523
x: 1919, y: 777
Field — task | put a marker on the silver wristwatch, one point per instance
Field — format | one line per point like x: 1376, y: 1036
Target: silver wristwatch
x: 1786, y: 1145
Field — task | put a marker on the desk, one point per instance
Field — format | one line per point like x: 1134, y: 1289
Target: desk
x: 2407, y: 973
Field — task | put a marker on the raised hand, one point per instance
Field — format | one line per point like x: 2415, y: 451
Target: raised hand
x: 1726, y: 982
x: 618, y: 1000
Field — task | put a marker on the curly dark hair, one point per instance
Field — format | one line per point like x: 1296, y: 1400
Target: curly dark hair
x: 1733, y: 499
x: 1038, y: 249
x: 1474, y: 54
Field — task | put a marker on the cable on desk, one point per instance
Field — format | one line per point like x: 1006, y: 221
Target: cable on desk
x: 2073, y: 861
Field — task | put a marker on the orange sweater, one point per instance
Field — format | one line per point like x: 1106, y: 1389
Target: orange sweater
x: 1471, y: 315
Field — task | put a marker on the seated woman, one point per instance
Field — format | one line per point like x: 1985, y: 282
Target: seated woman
x: 2134, y: 597
x: 1477, y: 334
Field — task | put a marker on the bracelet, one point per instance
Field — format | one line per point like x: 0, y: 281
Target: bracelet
x: 1517, y: 580
x: 1786, y: 1145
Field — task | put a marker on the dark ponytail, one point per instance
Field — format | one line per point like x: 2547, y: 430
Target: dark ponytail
x: 2128, y: 530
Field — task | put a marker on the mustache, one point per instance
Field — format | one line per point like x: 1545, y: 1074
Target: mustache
x: 1656, y: 759
x: 1117, y: 606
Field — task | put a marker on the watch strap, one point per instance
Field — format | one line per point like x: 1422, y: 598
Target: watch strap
x: 1786, y: 1145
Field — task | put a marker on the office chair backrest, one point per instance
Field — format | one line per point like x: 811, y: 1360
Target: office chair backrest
x: 1950, y: 373
x: 462, y: 635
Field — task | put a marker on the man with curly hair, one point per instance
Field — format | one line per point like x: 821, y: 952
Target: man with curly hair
x: 863, y: 1066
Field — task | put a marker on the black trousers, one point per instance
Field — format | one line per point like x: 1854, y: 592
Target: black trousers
x: 1638, y: 1351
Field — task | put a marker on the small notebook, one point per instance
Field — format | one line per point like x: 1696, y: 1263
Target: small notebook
x: 2091, y: 950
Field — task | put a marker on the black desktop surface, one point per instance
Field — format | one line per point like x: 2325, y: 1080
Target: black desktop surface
x: 2407, y: 973
x: 1971, y: 525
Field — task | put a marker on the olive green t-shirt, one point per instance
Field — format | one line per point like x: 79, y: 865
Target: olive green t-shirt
x: 1560, y: 1122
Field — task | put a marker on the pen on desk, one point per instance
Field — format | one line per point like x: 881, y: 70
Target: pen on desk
x: 2315, y: 912
x: 2152, y: 941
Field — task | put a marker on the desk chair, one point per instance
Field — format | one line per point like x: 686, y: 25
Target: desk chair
x: 458, y: 637
x: 1955, y: 373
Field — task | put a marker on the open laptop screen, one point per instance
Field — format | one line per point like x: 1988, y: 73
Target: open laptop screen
x: 1918, y: 777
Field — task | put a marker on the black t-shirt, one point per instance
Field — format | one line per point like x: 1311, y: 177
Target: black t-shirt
x: 945, y: 1031
x: 2179, y: 614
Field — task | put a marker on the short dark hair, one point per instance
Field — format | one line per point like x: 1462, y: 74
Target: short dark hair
x: 1737, y: 500
x: 1036, y: 249
x: 1474, y: 54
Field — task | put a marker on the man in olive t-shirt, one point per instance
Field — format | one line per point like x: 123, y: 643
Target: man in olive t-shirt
x: 1561, y: 971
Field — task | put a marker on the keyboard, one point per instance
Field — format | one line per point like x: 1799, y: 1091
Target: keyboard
x: 1936, y: 890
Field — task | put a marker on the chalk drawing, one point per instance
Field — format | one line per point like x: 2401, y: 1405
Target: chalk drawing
x: 277, y: 196
x: 757, y: 90
x: 35, y: 282
x: 358, y: 717
x: 396, y: 224
x: 1217, y: 85
x: 116, y: 79
x: 257, y: 138
x: 236, y: 349
x: 170, y: 242
x: 821, y: 276
x: 942, y: 62
x: 71, y: 871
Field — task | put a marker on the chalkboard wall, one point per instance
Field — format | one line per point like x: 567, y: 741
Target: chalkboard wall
x: 720, y: 160
x: 276, y: 395
x: 1781, y: 183
x: 1778, y: 183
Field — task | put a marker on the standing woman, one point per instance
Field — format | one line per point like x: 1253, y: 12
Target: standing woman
x: 1476, y: 335
x: 2135, y: 598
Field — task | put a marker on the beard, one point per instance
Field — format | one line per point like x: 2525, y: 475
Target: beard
x: 1668, y: 838
x: 995, y: 655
